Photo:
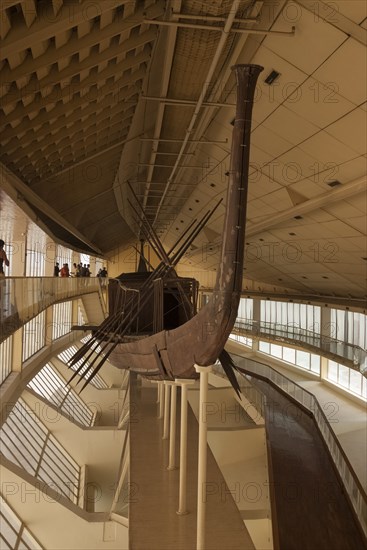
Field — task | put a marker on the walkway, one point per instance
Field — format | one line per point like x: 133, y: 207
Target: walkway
x: 312, y: 510
x: 154, y: 524
x: 347, y: 354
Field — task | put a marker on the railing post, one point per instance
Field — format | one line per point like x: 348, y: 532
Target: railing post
x: 202, y: 456
x: 182, y: 507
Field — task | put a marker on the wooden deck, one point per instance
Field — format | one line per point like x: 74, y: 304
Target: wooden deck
x: 312, y: 510
x: 154, y: 523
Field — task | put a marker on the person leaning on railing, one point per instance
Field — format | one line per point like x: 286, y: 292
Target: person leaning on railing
x: 64, y: 271
x: 3, y: 258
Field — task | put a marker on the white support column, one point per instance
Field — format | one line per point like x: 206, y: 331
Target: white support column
x: 161, y: 398
x: 182, y: 506
x: 202, y: 455
x: 159, y: 384
x: 256, y: 318
x: 166, y: 410
x: 172, y: 430
x: 327, y: 331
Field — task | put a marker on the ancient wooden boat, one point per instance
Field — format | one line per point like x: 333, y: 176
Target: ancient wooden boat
x: 172, y: 353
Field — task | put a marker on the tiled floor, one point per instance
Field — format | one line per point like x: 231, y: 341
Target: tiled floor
x: 154, y: 523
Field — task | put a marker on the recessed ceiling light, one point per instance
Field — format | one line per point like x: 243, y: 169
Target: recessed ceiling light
x: 272, y: 76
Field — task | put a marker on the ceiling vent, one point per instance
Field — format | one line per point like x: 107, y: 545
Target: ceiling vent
x: 272, y: 76
x: 334, y: 183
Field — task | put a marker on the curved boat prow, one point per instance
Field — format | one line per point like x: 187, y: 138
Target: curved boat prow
x: 173, y: 353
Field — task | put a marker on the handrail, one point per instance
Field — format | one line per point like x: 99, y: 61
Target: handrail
x: 356, y: 493
x: 125, y: 414
x: 23, y: 298
x: 348, y: 351
x: 254, y: 396
x: 123, y: 470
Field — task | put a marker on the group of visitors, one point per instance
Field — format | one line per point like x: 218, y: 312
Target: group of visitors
x: 102, y: 272
x: 63, y: 272
x: 78, y: 270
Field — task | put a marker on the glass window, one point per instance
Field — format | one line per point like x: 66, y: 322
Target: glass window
x: 355, y: 382
x: 26, y: 442
x: 34, y: 337
x: 5, y: 358
x: 303, y: 359
x: 264, y: 346
x: 289, y: 354
x: 276, y: 350
x: 63, y: 255
x: 61, y: 324
x: 68, y: 353
x: 303, y: 316
x: 332, y: 371
x: 49, y: 384
x: 343, y: 378
x: 315, y: 363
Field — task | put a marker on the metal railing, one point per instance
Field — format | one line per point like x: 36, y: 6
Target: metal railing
x: 120, y: 502
x: 351, y: 483
x: 293, y: 334
x: 27, y: 443
x: 22, y: 298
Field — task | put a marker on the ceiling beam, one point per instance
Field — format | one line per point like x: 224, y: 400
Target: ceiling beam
x: 88, y: 89
x: 70, y: 155
x: 322, y: 201
x: 76, y: 67
x: 215, y: 18
x: 69, y: 16
x: 202, y: 141
x: 330, y: 12
x: 217, y: 28
x: 76, y: 44
x: 102, y: 151
x: 186, y: 102
x: 63, y: 114
x: 170, y: 45
x: 38, y: 152
x: 20, y: 193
